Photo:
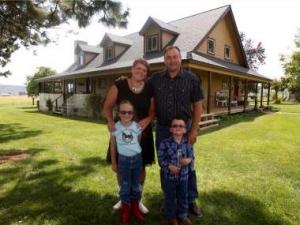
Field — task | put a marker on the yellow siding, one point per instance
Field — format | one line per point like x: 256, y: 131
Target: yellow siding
x: 88, y: 57
x: 166, y: 38
x: 119, y: 50
x: 224, y: 34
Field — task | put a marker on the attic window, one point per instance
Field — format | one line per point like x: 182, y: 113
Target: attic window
x: 109, y: 53
x: 152, y: 43
x: 227, y: 52
x: 81, y: 60
x: 211, y: 45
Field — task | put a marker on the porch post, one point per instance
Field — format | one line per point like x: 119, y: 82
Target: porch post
x: 209, y: 92
x: 245, y: 94
x: 74, y: 82
x: 261, y: 94
x: 87, y: 85
x: 229, y: 97
x: 64, y: 91
x: 269, y: 89
x: 256, y: 89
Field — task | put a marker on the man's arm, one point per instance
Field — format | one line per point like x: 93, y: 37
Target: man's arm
x: 196, y: 118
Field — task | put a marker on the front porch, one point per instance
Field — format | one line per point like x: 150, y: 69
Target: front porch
x: 232, y: 93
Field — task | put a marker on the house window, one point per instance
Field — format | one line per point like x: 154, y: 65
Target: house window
x: 70, y: 87
x: 109, y: 53
x: 227, y: 52
x: 152, y: 43
x: 211, y: 45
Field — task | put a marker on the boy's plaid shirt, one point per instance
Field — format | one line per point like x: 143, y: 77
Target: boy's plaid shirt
x: 168, y: 154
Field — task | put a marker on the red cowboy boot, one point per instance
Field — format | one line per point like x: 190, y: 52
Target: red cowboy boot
x: 125, y: 214
x: 136, y: 211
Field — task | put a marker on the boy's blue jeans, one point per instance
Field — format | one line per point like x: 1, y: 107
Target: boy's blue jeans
x: 130, y: 169
x: 162, y: 132
x: 176, y: 198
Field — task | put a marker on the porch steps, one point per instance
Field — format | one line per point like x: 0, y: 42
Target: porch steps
x: 208, y: 121
x: 58, y: 111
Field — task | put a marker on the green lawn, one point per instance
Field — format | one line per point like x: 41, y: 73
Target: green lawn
x: 248, y: 170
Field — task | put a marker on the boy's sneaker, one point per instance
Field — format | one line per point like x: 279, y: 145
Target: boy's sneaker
x: 117, y: 205
x: 184, y: 221
x: 194, y: 210
x: 143, y: 208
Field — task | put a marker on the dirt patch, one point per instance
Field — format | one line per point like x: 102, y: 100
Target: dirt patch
x: 11, y: 157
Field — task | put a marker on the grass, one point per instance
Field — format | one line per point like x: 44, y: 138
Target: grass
x: 248, y: 170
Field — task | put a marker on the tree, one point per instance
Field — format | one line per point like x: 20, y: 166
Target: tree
x: 291, y: 66
x: 25, y: 23
x: 32, y: 86
x: 276, y: 85
x: 255, y: 55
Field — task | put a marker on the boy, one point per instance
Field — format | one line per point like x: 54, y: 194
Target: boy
x: 174, y: 156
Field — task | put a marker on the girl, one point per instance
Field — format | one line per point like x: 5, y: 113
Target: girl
x: 126, y: 139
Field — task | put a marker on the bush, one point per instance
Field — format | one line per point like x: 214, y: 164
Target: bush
x: 49, y: 104
x: 278, y: 101
x: 94, y: 105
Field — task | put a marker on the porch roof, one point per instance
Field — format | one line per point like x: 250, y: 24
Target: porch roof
x: 190, y: 57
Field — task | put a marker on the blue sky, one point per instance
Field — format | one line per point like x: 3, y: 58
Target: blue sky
x: 273, y: 22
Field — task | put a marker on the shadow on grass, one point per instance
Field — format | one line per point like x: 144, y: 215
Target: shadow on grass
x: 12, y: 173
x: 45, y: 195
x: 223, y: 208
x: 94, y: 161
x: 14, y: 131
x: 76, y: 118
x: 28, y: 107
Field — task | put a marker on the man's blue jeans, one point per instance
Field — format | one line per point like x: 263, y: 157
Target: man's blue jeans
x: 130, y: 169
x: 163, y: 132
x: 176, y: 198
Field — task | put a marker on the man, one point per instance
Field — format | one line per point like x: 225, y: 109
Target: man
x: 177, y: 92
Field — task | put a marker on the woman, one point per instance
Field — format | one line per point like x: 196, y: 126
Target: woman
x: 139, y: 93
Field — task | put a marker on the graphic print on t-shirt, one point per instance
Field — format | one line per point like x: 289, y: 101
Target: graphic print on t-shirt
x: 127, y: 137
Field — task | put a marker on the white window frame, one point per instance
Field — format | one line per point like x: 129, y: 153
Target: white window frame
x: 151, y: 48
x: 109, y: 53
x: 214, y: 44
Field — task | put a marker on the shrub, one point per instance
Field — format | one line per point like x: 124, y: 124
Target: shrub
x: 94, y: 105
x: 49, y: 104
x: 278, y: 101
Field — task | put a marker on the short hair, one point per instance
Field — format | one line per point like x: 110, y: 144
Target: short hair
x: 143, y: 62
x: 177, y: 118
x: 170, y: 48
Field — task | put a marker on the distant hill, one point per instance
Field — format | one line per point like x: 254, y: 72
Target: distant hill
x: 12, y: 89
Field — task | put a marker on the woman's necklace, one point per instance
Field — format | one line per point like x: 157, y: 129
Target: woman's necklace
x: 137, y: 89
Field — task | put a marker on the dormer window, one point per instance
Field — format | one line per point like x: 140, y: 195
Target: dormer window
x: 81, y: 62
x: 152, y: 43
x: 211, y: 45
x: 109, y: 53
x: 227, y: 52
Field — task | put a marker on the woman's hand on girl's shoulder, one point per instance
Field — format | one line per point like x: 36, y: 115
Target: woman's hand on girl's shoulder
x: 144, y: 123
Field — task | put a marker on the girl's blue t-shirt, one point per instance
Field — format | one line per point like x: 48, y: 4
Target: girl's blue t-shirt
x: 127, y: 139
